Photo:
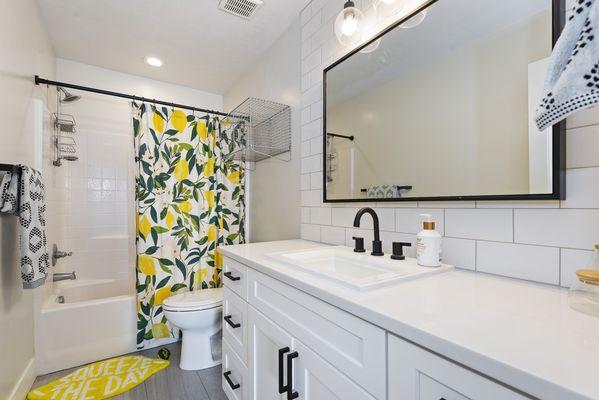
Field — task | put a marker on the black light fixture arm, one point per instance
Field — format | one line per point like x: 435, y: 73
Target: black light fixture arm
x: 42, y: 81
x: 341, y: 136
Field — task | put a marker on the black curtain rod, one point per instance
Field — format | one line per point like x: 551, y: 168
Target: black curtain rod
x: 42, y: 81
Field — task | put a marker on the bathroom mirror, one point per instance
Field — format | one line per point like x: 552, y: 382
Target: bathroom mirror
x: 444, y: 109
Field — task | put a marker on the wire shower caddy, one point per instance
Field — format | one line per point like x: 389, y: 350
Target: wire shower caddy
x: 258, y: 129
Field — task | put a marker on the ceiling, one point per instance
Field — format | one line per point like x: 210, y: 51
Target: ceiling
x: 202, y: 47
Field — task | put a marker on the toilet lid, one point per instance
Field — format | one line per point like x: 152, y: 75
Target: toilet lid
x: 196, y: 300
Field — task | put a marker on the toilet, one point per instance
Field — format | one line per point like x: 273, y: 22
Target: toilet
x: 198, y: 314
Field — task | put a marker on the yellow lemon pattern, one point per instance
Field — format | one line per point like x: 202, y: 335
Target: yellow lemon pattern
x: 170, y: 220
x: 179, y: 120
x: 181, y: 170
x: 158, y: 122
x: 202, y: 130
x: 161, y: 294
x: 209, y: 167
x: 190, y: 200
x: 209, y: 197
x: 146, y: 265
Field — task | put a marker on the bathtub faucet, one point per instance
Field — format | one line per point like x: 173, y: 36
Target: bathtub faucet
x: 64, y: 276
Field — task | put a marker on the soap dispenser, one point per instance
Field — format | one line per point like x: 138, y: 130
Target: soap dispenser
x: 428, y: 244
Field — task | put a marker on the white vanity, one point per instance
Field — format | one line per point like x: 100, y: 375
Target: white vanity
x: 289, y: 333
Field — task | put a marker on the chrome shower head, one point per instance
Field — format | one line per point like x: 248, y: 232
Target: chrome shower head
x: 68, y: 96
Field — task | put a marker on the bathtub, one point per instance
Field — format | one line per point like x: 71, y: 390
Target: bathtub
x: 97, y: 320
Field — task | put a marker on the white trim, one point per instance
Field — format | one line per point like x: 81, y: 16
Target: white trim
x: 25, y: 382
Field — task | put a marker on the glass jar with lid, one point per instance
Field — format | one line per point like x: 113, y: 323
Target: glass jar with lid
x: 584, y: 293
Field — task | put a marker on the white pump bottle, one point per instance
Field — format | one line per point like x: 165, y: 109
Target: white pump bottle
x: 428, y: 244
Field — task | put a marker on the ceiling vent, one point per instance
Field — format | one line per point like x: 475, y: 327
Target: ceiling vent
x: 241, y: 8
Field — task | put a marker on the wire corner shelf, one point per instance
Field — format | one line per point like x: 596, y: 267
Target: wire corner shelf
x: 258, y: 129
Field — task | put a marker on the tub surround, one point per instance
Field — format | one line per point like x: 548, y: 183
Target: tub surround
x: 521, y: 334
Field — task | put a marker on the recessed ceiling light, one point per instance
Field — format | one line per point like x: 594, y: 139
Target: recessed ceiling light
x: 153, y: 61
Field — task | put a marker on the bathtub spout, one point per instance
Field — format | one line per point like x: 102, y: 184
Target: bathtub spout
x: 64, y: 276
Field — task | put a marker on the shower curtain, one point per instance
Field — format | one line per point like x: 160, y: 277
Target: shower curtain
x: 190, y: 199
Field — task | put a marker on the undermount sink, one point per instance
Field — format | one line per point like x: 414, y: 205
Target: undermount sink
x: 358, y: 271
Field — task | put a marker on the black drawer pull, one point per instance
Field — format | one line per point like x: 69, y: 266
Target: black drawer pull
x: 231, y: 277
x: 290, y: 393
x: 231, y: 323
x: 229, y: 381
x: 282, y: 386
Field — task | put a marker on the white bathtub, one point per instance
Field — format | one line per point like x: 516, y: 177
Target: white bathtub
x: 96, y: 321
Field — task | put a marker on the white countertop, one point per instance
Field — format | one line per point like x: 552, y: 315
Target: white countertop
x: 520, y: 333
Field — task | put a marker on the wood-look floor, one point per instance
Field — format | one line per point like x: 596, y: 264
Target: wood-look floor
x: 171, y: 383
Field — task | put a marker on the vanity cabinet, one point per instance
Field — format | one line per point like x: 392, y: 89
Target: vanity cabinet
x: 417, y: 374
x: 281, y: 344
x: 324, y: 352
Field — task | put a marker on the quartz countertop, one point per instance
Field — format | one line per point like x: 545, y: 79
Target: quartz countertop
x: 520, y: 333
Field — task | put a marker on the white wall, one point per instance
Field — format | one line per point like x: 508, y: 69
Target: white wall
x: 274, y: 185
x: 26, y: 51
x: 542, y: 241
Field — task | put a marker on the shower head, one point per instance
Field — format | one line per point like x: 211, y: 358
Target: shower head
x: 68, y: 96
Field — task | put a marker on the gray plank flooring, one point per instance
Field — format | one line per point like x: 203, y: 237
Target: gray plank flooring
x: 171, y: 383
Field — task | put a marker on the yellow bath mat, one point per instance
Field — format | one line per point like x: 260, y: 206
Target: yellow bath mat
x: 100, y: 380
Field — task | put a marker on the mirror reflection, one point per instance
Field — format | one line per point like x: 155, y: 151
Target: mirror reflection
x: 444, y: 108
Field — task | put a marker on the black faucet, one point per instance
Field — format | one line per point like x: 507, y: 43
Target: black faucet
x: 377, y: 245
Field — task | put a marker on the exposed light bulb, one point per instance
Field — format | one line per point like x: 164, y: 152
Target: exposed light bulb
x: 350, y: 25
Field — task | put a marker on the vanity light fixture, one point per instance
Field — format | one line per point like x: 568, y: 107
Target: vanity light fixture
x: 347, y: 24
x: 153, y: 61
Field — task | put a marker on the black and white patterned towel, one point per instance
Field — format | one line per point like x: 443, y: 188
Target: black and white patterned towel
x: 9, y: 192
x: 572, y: 82
x: 32, y: 208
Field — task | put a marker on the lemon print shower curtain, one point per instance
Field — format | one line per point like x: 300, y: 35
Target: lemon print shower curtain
x: 190, y: 200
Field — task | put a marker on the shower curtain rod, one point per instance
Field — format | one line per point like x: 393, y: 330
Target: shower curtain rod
x: 42, y: 81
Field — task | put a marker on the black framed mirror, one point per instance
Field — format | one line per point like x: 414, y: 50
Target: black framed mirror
x: 443, y: 109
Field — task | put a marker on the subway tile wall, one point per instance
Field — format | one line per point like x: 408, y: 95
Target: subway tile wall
x: 91, y: 201
x: 542, y: 241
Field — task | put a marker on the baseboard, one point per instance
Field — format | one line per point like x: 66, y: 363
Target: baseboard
x: 25, y: 382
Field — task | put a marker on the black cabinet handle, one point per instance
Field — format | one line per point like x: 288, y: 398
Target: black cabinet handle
x: 229, y: 381
x: 231, y: 323
x: 282, y: 386
x: 290, y: 393
x: 231, y: 277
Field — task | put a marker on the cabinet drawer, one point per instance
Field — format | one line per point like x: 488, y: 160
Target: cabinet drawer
x: 235, y: 277
x: 352, y: 345
x: 235, y: 375
x: 235, y: 328
x: 417, y: 374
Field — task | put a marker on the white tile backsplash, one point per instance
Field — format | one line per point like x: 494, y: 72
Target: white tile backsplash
x: 521, y: 239
x: 485, y: 224
x: 576, y: 229
x: 571, y: 260
x: 537, y: 263
x: 581, y: 147
x: 332, y: 235
x: 408, y: 220
x: 581, y: 193
x: 459, y: 252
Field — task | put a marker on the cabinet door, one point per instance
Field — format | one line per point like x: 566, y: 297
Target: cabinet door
x: 417, y: 374
x: 265, y: 339
x: 316, y: 379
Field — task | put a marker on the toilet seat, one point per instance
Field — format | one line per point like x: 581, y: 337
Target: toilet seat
x: 197, y: 300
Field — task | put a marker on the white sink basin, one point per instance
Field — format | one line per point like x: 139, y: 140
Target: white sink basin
x: 358, y: 271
